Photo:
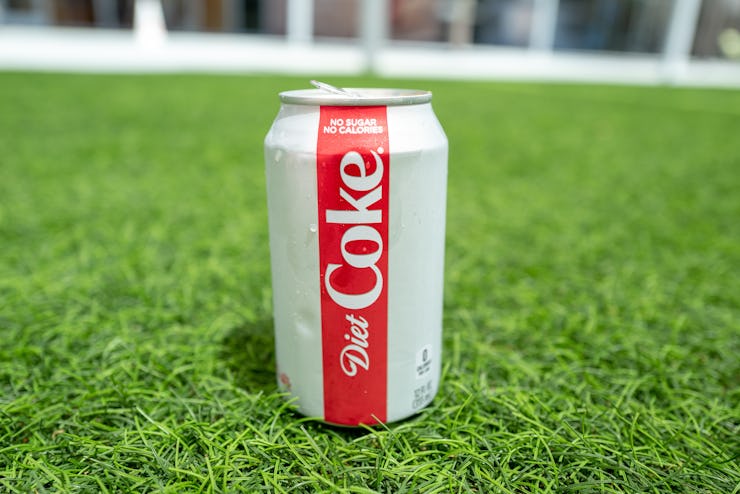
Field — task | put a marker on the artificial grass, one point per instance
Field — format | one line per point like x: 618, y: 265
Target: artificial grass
x: 592, y: 305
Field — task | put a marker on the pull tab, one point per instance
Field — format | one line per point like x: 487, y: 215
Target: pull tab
x: 333, y: 89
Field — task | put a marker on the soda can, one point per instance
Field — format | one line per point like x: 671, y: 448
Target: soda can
x: 356, y: 192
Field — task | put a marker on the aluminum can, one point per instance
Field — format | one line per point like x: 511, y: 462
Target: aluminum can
x: 356, y: 186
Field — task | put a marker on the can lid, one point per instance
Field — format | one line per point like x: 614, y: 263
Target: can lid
x: 328, y: 95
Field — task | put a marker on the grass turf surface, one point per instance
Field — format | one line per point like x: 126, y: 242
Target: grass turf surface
x: 591, y: 307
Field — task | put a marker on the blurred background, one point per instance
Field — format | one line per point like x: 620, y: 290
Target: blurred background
x: 630, y: 41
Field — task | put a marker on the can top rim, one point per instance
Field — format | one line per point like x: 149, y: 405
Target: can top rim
x: 357, y: 97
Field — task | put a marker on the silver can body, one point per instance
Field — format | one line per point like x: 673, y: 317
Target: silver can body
x: 412, y: 246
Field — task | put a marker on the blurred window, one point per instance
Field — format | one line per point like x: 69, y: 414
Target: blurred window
x: 90, y: 13
x: 419, y: 20
x: 24, y: 12
x: 234, y: 16
x: 336, y: 18
x: 718, y: 32
x: 73, y: 12
x: 503, y: 22
x: 613, y: 25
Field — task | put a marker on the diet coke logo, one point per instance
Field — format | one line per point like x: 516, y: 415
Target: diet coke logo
x: 360, y: 190
x: 353, y: 184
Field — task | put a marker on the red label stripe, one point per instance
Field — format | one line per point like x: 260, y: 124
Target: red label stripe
x: 352, y: 166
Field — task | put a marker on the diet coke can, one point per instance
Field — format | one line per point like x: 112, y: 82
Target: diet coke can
x: 356, y: 186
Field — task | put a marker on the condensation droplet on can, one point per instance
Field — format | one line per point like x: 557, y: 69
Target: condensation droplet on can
x: 312, y: 228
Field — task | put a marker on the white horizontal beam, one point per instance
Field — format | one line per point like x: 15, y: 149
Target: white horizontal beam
x: 104, y: 50
x: 87, y: 50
